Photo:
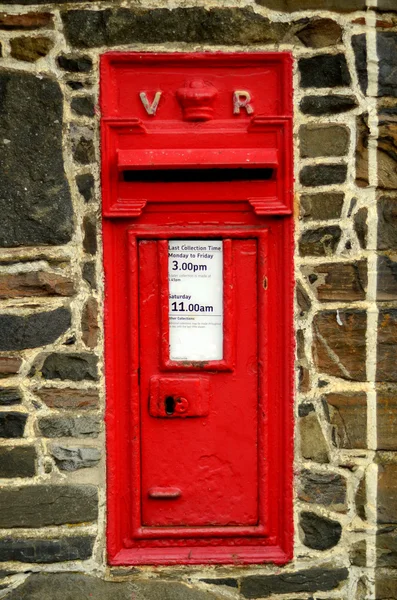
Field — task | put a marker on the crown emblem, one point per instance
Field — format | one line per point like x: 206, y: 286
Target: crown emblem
x: 197, y: 99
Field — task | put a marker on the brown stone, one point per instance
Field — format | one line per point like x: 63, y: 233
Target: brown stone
x: 387, y: 278
x: 35, y: 283
x: 321, y: 206
x: 312, y: 441
x: 362, y: 151
x: 384, y: 4
x: 323, y: 140
x: 303, y: 379
x: 387, y: 223
x: 339, y: 343
x: 358, y: 554
x: 342, y: 282
x: 302, y: 299
x: 347, y: 413
x: 387, y: 487
x: 9, y: 365
x: 385, y: 584
x: 68, y: 398
x: 387, y: 154
x: 327, y: 489
x: 30, y: 49
x: 386, y: 410
x: 26, y: 21
x: 320, y: 33
x: 386, y: 547
x: 360, y: 226
x: 293, y: 5
x: 387, y: 345
x: 89, y: 323
x: 320, y: 242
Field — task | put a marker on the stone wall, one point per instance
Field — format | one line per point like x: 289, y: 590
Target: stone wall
x: 52, y: 452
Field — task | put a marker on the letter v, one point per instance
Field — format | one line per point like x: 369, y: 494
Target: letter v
x: 150, y: 108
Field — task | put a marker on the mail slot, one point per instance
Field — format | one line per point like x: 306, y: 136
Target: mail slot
x: 198, y: 247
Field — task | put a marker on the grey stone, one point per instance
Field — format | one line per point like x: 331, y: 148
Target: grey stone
x: 328, y: 489
x: 77, y: 586
x: 36, y: 206
x: 319, y: 533
x: 228, y: 581
x: 320, y: 242
x: 81, y: 426
x: 10, y: 396
x: 85, y: 185
x: 304, y: 580
x: 74, y: 63
x: 324, y: 70
x: 27, y: 550
x: 73, y: 366
x: 12, y: 424
x: 72, y: 459
x: 19, y: 461
x: 320, y: 33
x: 323, y: 140
x: 387, y: 223
x: 321, y: 206
x: 313, y: 445
x: 31, y: 331
x: 111, y: 27
x: 316, y: 175
x: 83, y: 105
x: 305, y: 408
x: 387, y: 55
x: 326, y: 105
x: 43, y: 505
x: 90, y: 243
x: 82, y: 144
x: 360, y: 226
x: 359, y: 43
x: 89, y: 273
x: 75, y: 85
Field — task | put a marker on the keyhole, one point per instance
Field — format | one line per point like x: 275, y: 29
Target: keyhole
x: 169, y: 405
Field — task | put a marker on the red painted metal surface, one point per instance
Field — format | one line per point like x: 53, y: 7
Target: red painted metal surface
x: 199, y: 453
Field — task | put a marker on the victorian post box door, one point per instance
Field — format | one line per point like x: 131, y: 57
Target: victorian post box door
x: 199, y: 429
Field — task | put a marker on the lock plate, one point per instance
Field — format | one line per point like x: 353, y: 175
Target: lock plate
x: 179, y: 397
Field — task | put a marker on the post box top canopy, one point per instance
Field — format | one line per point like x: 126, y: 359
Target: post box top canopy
x: 197, y: 87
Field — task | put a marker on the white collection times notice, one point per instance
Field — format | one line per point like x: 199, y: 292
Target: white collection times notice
x: 195, y: 278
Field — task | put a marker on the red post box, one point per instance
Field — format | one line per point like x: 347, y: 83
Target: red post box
x: 197, y: 230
